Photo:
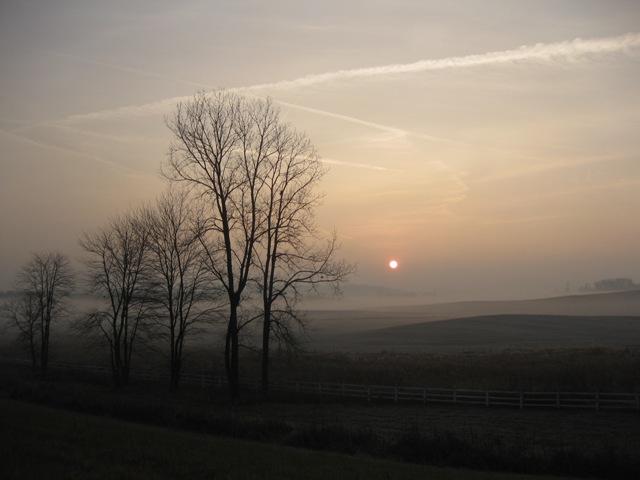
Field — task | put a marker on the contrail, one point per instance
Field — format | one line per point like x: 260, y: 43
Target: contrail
x: 123, y: 168
x: 396, y: 132
x: 544, y: 52
x: 568, y: 50
x: 332, y: 161
x: 125, y: 69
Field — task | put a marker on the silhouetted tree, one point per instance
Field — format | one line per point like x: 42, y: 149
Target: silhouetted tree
x: 43, y: 285
x: 287, y: 254
x: 22, y: 311
x: 221, y: 144
x: 181, y: 285
x: 118, y: 273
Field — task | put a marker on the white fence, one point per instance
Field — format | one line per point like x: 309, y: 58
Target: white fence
x: 402, y: 394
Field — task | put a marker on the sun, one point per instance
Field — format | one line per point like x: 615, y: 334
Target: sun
x: 393, y: 264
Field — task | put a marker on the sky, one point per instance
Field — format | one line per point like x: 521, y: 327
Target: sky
x: 491, y: 147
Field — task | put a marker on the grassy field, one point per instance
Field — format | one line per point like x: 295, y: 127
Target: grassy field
x: 366, y: 316
x: 581, y: 443
x: 562, y: 369
x: 40, y: 442
x: 566, y: 369
x: 492, y: 333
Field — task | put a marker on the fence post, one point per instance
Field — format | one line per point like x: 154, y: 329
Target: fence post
x: 521, y: 400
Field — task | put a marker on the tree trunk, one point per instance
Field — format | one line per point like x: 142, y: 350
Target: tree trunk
x: 34, y: 353
x: 266, y: 330
x: 231, y: 353
x: 175, y: 375
x: 117, y: 366
x: 44, y: 355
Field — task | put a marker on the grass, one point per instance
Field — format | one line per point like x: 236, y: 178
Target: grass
x: 589, y: 444
x: 567, y: 369
x: 494, y: 333
x: 40, y: 442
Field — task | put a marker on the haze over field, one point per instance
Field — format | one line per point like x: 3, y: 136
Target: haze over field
x: 490, y: 147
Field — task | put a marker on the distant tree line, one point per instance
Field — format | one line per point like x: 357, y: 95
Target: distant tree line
x: 610, y: 285
x: 233, y: 238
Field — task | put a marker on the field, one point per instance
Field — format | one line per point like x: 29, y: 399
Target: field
x: 582, y: 344
x: 494, y: 333
x: 365, y: 315
x: 566, y: 369
x: 40, y: 442
x: 581, y: 443
x: 580, y: 321
x: 608, y: 320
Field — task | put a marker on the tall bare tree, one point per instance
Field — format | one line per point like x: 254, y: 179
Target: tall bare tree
x: 22, y: 312
x: 43, y: 285
x: 181, y: 284
x: 221, y: 144
x: 117, y: 266
x: 288, y: 254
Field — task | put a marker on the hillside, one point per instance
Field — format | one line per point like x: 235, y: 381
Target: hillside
x: 492, y: 333
x: 324, y: 322
x: 104, y: 448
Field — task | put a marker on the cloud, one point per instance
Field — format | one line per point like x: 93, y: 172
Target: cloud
x: 542, y: 52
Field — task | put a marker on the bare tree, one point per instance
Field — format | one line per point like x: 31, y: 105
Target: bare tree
x: 181, y: 285
x: 22, y: 312
x: 116, y: 262
x: 288, y: 256
x: 221, y: 144
x: 43, y: 285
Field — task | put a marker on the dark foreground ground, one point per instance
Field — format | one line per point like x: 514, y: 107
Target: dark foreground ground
x: 37, y: 442
x: 586, y: 444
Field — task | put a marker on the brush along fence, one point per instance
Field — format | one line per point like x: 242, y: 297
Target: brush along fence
x: 402, y: 394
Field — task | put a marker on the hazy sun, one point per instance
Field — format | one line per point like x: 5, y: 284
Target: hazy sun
x: 393, y: 264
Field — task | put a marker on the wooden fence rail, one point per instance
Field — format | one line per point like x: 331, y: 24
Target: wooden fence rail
x: 403, y: 394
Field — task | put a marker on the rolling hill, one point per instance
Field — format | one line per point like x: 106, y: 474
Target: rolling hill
x: 367, y: 318
x: 492, y: 333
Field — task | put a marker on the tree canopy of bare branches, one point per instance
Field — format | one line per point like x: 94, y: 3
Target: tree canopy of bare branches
x: 258, y: 176
x: 181, y: 284
x: 221, y: 144
x: 118, y: 271
x: 289, y: 254
x: 43, y: 285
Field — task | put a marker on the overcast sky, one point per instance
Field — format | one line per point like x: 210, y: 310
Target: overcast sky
x: 491, y: 147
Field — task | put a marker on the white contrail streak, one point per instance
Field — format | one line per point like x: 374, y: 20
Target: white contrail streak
x: 568, y: 50
x: 543, y: 52
x: 331, y: 161
x: 395, y: 132
x: 68, y: 151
